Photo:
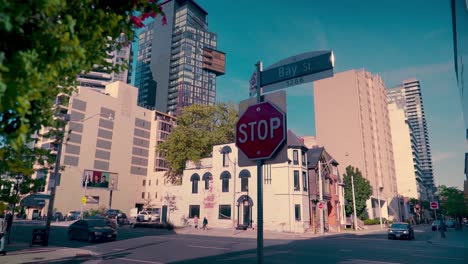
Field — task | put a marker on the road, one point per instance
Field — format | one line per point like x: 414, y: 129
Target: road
x: 154, y: 247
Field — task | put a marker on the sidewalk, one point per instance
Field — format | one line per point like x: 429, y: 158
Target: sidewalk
x: 249, y: 233
x: 19, y: 253
x: 452, y: 238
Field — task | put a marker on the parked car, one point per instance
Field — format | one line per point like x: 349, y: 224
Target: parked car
x: 111, y: 221
x: 147, y: 216
x: 57, y: 216
x: 92, y: 230
x: 122, y: 219
x: 400, y: 230
x: 73, y: 215
x: 112, y: 213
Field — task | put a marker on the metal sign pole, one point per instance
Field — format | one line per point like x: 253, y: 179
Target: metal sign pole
x: 259, y: 181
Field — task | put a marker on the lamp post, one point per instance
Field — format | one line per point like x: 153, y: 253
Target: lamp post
x: 354, y: 204
x: 380, y: 207
x: 111, y: 189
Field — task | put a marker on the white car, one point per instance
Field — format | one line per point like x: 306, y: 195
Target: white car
x: 147, y: 216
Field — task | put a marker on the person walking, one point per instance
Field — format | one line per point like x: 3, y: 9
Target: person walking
x: 205, y: 223
x: 2, y: 234
x: 195, y: 221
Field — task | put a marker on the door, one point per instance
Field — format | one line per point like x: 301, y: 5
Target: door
x: 246, y: 215
x: 164, y: 214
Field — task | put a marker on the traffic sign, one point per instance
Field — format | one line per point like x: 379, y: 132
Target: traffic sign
x: 296, y: 70
x: 83, y: 200
x: 320, y: 205
x: 260, y: 131
x: 434, y: 205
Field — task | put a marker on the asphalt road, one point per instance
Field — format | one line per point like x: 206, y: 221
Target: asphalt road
x: 154, y: 246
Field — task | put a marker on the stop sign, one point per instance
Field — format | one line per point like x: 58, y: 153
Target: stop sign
x: 320, y: 205
x: 260, y: 131
x: 434, y: 205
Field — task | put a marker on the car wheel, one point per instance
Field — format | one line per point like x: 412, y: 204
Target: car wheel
x: 90, y: 237
x: 70, y: 236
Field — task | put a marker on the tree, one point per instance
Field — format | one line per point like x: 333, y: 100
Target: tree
x: 452, y: 201
x: 363, y: 192
x: 45, y: 44
x: 199, y: 128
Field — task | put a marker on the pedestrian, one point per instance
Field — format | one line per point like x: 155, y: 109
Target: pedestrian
x: 2, y: 234
x: 205, y: 223
x: 8, y: 224
x: 195, y: 221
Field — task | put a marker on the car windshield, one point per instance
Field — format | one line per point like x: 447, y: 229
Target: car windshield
x: 98, y: 223
x: 437, y: 222
x: 400, y: 226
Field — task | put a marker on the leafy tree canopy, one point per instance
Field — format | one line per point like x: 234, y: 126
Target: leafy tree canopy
x: 46, y: 43
x: 199, y: 128
x: 362, y: 190
x: 452, y: 201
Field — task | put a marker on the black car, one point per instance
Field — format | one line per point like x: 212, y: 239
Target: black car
x: 92, y: 230
x: 112, y: 213
x: 401, y: 230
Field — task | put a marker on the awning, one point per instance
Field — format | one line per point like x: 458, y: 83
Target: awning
x: 36, y: 200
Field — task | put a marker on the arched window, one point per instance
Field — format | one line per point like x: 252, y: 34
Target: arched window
x: 207, y: 177
x: 244, y: 175
x: 225, y: 176
x: 195, y: 179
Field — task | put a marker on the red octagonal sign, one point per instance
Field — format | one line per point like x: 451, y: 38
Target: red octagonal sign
x: 260, y: 131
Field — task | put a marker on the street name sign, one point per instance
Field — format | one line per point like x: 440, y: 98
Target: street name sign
x: 260, y: 131
x: 296, y: 70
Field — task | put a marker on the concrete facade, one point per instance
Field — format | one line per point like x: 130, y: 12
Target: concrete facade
x: 352, y: 123
x: 110, y: 135
x: 286, y: 205
x: 407, y: 169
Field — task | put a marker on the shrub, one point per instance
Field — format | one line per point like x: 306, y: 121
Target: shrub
x: 372, y: 221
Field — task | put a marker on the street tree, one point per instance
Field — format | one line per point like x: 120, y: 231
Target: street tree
x: 363, y: 192
x: 46, y: 44
x: 199, y: 128
x: 452, y: 202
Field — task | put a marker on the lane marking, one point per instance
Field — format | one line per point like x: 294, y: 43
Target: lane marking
x: 140, y: 261
x: 220, y: 248
x: 435, y: 257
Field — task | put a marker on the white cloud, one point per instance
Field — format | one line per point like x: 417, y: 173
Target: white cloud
x: 395, y: 77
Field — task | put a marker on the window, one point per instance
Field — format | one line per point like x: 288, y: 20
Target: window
x: 149, y: 195
x: 296, y: 181
x: 244, y: 184
x: 157, y: 181
x: 144, y: 182
x: 225, y: 183
x: 156, y: 195
x: 194, y: 210
x: 225, y: 160
x: 303, y: 158
x: 195, y: 178
x: 195, y: 186
x: 207, y: 178
x: 224, y: 211
x: 295, y: 157
x: 149, y: 183
x: 304, y: 180
x: 297, y: 212
x: 143, y: 195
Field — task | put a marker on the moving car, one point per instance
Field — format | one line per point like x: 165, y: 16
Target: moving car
x: 401, y: 230
x: 92, y: 230
x: 57, y: 216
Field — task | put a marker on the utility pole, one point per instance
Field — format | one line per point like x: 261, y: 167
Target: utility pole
x: 322, y: 231
x: 53, y: 179
x: 354, y: 204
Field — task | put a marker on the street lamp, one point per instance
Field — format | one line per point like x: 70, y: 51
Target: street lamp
x: 354, y: 199
x: 380, y: 207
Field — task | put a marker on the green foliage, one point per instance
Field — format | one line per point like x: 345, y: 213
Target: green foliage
x: 45, y: 44
x: 452, y: 201
x: 363, y: 191
x: 372, y: 221
x: 94, y: 212
x: 199, y: 128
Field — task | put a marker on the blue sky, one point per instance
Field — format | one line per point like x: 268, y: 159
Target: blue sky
x: 396, y: 39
